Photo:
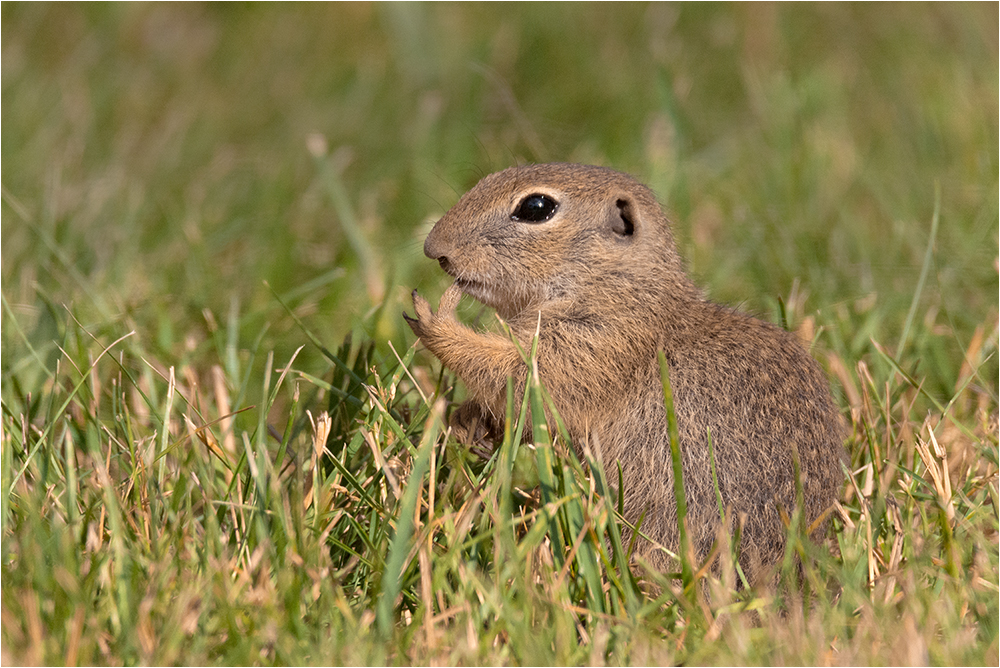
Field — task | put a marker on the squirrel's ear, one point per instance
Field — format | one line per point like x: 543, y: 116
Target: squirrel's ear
x: 623, y: 218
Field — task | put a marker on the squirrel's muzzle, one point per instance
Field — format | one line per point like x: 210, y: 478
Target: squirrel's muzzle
x: 435, y: 249
x: 437, y: 245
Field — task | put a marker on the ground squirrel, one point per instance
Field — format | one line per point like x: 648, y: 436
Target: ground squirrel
x: 588, y: 253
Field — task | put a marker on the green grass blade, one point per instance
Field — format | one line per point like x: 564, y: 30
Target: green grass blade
x: 924, y: 270
x: 400, y: 546
x: 685, y: 552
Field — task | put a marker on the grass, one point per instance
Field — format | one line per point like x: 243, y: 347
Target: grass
x: 219, y: 446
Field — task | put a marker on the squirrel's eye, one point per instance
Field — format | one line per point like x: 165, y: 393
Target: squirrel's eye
x: 535, y: 209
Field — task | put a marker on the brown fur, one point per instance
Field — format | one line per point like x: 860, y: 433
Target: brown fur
x: 608, y: 302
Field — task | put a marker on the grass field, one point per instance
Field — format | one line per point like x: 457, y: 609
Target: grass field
x: 219, y: 445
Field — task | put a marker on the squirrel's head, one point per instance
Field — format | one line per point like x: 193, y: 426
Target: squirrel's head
x: 530, y: 236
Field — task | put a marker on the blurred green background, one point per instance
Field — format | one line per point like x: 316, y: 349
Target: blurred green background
x: 162, y: 161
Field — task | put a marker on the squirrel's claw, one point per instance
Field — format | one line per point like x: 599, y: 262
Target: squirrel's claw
x: 413, y: 323
x: 421, y: 308
x: 423, y: 313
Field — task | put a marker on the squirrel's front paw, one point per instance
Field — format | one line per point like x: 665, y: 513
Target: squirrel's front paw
x: 427, y: 320
x: 423, y: 312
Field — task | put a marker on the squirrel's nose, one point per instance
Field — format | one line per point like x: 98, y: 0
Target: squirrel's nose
x: 438, y: 246
x: 433, y: 247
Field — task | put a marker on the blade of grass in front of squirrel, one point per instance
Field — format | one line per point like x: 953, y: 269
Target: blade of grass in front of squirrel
x: 584, y: 537
x: 576, y: 512
x: 685, y: 552
x: 622, y: 581
x: 545, y: 461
